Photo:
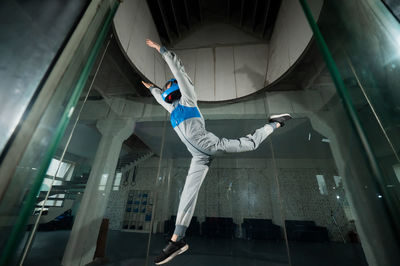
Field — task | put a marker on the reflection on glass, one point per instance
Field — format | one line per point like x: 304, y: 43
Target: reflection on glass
x: 318, y: 222
x: 338, y: 180
x: 103, y: 181
x: 63, y: 170
x: 20, y: 204
x: 117, y: 181
x: 24, y: 66
x: 362, y: 39
x: 396, y: 169
x: 322, y: 185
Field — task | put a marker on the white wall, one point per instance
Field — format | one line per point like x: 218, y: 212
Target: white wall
x: 223, y: 62
x: 225, y: 72
x: 133, y: 25
x: 291, y: 36
x: 242, y: 188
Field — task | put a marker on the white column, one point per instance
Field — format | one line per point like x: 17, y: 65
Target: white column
x: 82, y: 241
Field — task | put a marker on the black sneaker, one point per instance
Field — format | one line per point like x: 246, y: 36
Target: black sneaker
x: 280, y: 118
x: 170, y: 251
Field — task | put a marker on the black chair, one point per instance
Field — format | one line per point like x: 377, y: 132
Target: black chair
x: 306, y: 231
x: 193, y: 230
x: 218, y: 227
x: 194, y: 227
x: 261, y: 229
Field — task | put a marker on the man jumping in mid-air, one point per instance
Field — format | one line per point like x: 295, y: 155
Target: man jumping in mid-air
x: 179, y: 99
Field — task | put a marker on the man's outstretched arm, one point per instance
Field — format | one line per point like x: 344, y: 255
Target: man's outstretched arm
x: 175, y: 64
x: 157, y: 95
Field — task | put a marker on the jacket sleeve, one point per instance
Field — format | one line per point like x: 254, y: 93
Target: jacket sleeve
x: 157, y: 95
x: 178, y: 70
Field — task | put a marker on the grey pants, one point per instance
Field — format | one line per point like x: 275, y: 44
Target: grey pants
x: 199, y: 168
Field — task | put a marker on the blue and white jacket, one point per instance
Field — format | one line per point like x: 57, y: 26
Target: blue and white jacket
x: 186, y: 118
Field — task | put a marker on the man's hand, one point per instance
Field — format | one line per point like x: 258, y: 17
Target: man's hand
x: 147, y: 85
x: 153, y: 44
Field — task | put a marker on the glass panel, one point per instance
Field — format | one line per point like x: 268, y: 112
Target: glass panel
x: 24, y: 67
x: 19, y: 200
x: 373, y: 82
x: 307, y: 196
x: 319, y: 223
x: 239, y: 192
x: 362, y: 38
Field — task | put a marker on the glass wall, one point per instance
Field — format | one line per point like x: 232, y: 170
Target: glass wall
x: 44, y: 25
x: 309, y: 195
x: 373, y: 86
x: 284, y: 204
x: 361, y: 38
x: 319, y: 222
x: 23, y: 193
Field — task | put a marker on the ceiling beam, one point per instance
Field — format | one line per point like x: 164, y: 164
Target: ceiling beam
x: 241, y: 13
x: 187, y: 14
x: 265, y: 18
x: 164, y: 18
x: 254, y: 15
x: 175, y: 19
x: 228, y: 10
x: 200, y: 13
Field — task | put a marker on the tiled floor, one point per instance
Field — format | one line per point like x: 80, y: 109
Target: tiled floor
x: 129, y: 249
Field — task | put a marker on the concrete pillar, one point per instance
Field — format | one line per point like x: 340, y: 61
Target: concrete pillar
x: 82, y: 241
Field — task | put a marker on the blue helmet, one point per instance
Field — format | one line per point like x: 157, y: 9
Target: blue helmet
x: 173, y: 93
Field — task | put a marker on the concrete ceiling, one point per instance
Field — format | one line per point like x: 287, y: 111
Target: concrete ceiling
x: 296, y: 140
x: 116, y: 76
x: 177, y: 18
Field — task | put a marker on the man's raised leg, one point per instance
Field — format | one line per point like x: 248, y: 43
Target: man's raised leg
x: 252, y: 141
